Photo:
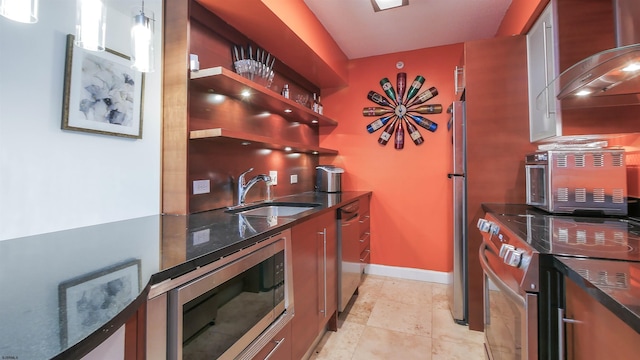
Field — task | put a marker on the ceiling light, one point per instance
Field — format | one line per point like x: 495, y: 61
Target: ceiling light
x: 24, y: 11
x: 380, y: 5
x: 91, y: 20
x: 142, y: 40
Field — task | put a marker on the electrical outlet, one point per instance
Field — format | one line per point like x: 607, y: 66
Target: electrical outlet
x: 294, y: 179
x: 201, y: 187
x: 274, y: 177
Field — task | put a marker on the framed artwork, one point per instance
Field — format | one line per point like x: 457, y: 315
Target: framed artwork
x: 102, y: 94
x: 91, y: 300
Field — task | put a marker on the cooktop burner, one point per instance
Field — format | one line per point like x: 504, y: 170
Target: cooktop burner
x: 606, y: 238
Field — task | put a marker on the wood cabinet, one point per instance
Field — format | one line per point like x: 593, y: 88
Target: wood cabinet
x: 497, y: 141
x: 563, y: 36
x: 365, y: 232
x: 314, y: 252
x: 279, y: 348
x: 591, y: 331
x: 542, y: 69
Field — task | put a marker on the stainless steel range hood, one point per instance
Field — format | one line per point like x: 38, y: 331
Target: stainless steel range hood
x: 611, y: 72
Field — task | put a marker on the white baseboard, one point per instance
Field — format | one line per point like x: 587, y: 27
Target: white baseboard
x: 409, y: 273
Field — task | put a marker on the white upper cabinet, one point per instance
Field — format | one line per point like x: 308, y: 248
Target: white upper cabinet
x: 544, y: 117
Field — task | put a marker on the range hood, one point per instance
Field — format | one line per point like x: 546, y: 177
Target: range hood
x: 611, y: 72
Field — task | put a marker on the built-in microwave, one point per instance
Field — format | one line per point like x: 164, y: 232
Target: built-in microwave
x: 226, y: 309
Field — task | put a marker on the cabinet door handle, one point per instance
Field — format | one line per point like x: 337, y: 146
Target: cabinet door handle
x: 455, y: 80
x: 546, y: 67
x: 275, y: 348
x: 324, y: 269
x: 561, y: 340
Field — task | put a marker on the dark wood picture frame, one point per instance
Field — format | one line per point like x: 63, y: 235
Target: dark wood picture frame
x: 89, y: 301
x: 102, y: 94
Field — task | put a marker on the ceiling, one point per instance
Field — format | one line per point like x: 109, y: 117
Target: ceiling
x: 361, y: 32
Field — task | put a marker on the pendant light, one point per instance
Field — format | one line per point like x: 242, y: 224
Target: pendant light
x: 24, y: 11
x: 142, y: 40
x: 91, y: 20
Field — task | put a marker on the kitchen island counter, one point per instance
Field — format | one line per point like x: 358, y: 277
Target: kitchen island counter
x: 65, y: 292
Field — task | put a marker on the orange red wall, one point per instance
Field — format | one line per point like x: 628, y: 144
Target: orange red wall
x: 411, y: 204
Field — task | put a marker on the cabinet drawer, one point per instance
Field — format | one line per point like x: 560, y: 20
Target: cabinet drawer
x: 364, y: 241
x: 364, y: 224
x: 365, y: 256
x: 279, y: 348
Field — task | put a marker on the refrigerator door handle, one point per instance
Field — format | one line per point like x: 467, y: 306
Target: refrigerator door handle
x: 454, y: 174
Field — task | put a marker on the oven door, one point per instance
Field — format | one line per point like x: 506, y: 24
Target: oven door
x: 511, y: 317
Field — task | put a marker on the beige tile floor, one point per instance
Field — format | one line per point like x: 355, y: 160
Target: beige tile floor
x: 394, y: 318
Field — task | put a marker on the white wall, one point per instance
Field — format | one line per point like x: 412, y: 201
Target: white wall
x: 52, y: 179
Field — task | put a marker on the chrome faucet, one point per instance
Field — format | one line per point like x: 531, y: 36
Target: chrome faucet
x: 244, y: 188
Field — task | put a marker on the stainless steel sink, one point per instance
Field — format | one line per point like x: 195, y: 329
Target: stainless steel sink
x: 273, y: 209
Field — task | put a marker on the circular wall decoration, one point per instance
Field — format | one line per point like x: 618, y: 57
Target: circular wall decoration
x: 400, y: 109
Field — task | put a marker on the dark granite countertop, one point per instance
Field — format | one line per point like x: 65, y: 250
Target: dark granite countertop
x: 65, y: 292
x: 614, y: 284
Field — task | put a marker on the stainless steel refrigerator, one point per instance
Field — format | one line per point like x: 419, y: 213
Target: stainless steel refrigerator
x: 457, y: 290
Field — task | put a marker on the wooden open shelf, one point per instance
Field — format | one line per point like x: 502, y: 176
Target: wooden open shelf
x: 224, y: 81
x: 254, y: 141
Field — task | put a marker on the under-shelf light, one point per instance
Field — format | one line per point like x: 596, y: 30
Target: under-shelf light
x: 583, y: 92
x: 314, y: 121
x: 245, y: 93
x: 288, y: 110
x: 287, y: 148
x: 632, y: 67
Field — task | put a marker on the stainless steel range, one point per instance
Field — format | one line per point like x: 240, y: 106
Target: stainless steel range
x: 521, y: 287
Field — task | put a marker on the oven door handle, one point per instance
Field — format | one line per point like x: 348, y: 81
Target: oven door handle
x: 495, y: 279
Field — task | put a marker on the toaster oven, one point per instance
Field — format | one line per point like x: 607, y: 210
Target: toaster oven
x: 577, y: 181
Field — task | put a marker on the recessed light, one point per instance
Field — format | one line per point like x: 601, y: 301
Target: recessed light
x: 245, y: 93
x: 288, y: 110
x: 583, y: 92
x: 315, y: 153
x: 380, y: 5
x: 314, y: 121
x: 632, y: 67
x: 245, y: 143
x: 287, y: 148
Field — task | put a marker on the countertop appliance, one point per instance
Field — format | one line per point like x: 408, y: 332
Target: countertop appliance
x: 522, y: 290
x: 348, y: 253
x: 329, y: 178
x: 457, y: 290
x: 225, y: 310
x: 577, y: 181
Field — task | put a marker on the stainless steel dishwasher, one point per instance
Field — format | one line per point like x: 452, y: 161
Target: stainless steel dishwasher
x: 348, y: 253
